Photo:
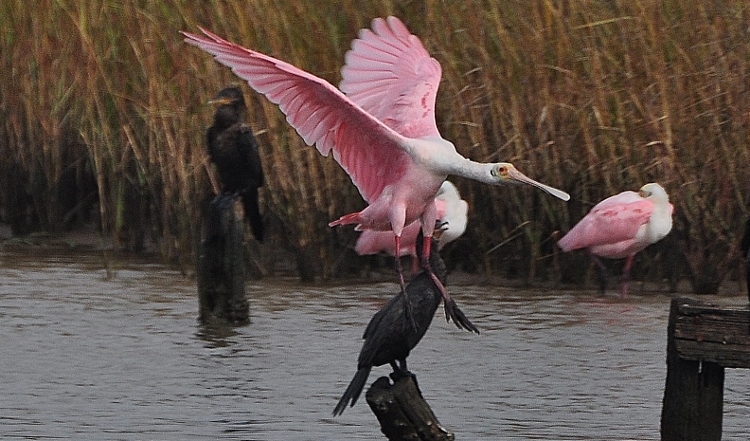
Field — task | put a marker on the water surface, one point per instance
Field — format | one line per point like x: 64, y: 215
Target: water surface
x: 100, y: 348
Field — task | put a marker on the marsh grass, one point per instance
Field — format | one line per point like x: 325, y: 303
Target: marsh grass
x: 593, y: 97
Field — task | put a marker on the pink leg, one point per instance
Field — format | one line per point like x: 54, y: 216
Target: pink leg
x: 448, y: 303
x: 602, y: 273
x: 626, y: 276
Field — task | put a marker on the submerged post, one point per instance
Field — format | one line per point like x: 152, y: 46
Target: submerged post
x: 702, y: 340
x: 221, y: 264
x: 402, y: 411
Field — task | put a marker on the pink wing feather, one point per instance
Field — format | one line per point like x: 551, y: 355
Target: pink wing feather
x: 612, y: 220
x: 390, y: 74
x: 368, y: 150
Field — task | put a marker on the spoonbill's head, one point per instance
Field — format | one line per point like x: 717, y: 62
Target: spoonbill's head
x: 506, y: 173
x: 654, y: 191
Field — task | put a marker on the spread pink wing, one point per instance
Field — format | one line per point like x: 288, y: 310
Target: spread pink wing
x: 368, y: 150
x: 389, y: 73
x: 612, y: 220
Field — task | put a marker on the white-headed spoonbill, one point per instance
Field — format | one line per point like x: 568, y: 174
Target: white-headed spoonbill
x: 620, y: 226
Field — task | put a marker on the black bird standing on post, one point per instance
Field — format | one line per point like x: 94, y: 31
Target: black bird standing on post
x: 232, y: 147
x: 391, y: 335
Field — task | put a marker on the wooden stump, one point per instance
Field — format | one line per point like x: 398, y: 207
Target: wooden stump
x: 402, y: 411
x: 221, y: 264
x: 702, y: 340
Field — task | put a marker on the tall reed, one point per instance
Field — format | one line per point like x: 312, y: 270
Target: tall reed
x: 103, y: 103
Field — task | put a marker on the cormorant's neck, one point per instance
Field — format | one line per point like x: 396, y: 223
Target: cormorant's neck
x: 226, y: 116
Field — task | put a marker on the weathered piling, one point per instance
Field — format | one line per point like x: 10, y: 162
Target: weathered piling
x: 221, y: 264
x: 403, y: 412
x: 702, y: 340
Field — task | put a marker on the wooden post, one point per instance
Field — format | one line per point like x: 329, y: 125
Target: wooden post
x: 402, y: 411
x: 693, y: 395
x: 221, y: 264
x: 702, y: 340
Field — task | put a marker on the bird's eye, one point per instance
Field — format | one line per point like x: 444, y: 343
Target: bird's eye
x: 502, y: 170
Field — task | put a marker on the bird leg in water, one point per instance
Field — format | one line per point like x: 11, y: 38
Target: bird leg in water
x: 602, y: 272
x: 626, y: 276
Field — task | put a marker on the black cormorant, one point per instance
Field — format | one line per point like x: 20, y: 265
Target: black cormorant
x: 232, y: 147
x: 390, y: 335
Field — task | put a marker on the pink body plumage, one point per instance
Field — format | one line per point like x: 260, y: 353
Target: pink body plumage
x: 451, y: 209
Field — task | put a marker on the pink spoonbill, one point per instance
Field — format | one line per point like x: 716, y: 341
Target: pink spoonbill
x: 452, y: 214
x: 380, y: 126
x: 620, y: 226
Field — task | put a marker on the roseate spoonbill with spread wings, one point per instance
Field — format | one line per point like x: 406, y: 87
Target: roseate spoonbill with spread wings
x: 452, y: 214
x: 382, y: 131
x: 389, y: 337
x: 620, y: 226
x: 232, y: 147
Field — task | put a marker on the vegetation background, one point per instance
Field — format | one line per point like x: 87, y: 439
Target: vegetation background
x: 102, y: 120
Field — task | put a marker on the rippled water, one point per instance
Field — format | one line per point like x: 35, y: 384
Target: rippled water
x: 92, y: 353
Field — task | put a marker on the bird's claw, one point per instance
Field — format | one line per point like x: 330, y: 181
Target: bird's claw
x: 453, y: 312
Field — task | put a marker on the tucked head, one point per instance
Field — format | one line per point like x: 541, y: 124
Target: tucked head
x: 654, y: 191
x: 506, y: 173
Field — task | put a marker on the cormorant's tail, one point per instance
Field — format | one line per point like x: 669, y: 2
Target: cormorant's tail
x: 353, y: 391
x: 252, y: 213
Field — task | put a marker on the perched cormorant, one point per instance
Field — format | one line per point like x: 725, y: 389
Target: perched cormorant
x: 232, y: 147
x: 390, y: 335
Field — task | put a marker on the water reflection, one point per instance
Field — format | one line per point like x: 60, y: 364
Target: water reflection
x: 95, y: 353
x: 216, y: 335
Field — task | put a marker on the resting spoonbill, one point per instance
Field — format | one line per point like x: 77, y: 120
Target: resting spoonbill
x: 620, y: 226
x: 381, y: 128
x: 452, y: 212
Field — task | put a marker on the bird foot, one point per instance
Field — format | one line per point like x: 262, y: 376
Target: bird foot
x: 399, y: 374
x: 453, y: 312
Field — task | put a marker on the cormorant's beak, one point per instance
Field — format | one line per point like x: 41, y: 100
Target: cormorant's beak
x: 219, y: 101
